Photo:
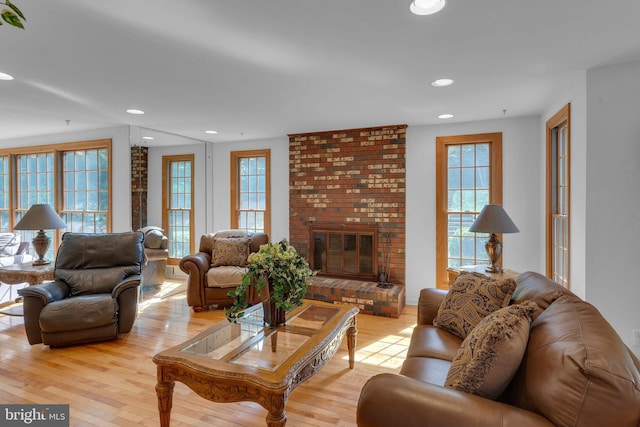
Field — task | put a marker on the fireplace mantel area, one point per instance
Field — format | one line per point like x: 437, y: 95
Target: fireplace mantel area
x: 351, y: 180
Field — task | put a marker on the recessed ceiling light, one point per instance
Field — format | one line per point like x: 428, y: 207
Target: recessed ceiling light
x: 5, y: 76
x: 134, y: 111
x: 148, y: 138
x: 426, y: 7
x: 445, y: 116
x: 211, y: 132
x: 442, y: 82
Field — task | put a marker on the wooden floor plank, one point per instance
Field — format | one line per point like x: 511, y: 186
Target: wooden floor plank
x: 113, y: 383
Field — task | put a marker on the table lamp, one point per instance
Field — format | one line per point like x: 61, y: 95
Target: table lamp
x: 40, y: 217
x: 493, y: 219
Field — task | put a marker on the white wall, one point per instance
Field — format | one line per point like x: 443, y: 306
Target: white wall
x: 154, y: 189
x: 522, y: 179
x: 279, y: 183
x: 576, y: 94
x: 613, y: 196
x: 120, y: 158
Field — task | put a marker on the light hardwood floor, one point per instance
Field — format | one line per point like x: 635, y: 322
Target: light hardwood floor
x: 113, y: 383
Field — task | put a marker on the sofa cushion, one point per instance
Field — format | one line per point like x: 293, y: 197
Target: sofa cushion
x: 426, y: 369
x: 576, y: 370
x: 431, y: 341
x: 471, y: 297
x: 9, y: 244
x: 230, y: 251
x: 226, y: 276
x: 490, y: 355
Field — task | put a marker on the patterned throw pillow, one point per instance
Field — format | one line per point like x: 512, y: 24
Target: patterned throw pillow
x: 230, y: 251
x: 491, y: 354
x: 472, y: 297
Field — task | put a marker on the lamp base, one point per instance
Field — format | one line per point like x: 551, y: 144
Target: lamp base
x: 494, y: 251
x: 40, y: 246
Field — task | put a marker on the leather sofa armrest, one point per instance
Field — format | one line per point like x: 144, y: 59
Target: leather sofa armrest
x: 390, y: 399
x: 196, y: 266
x: 428, y: 304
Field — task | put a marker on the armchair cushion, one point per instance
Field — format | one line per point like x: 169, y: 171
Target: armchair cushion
x: 490, y: 355
x: 84, y: 312
x: 226, y: 276
x: 472, y: 297
x: 232, y: 251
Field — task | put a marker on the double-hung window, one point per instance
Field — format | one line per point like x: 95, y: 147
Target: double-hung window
x: 250, y: 190
x: 468, y: 176
x: 177, y: 215
x: 74, y: 178
x: 557, y: 222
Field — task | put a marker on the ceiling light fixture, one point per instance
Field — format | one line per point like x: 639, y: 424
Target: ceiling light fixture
x: 445, y: 116
x: 211, y: 132
x: 426, y: 7
x: 134, y: 111
x: 442, y: 82
x: 5, y: 76
x: 148, y: 138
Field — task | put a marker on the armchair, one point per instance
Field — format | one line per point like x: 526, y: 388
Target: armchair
x: 95, y: 293
x: 218, y: 266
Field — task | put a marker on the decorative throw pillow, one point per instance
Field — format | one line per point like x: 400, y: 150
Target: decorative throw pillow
x: 472, y: 296
x: 490, y: 355
x: 230, y: 251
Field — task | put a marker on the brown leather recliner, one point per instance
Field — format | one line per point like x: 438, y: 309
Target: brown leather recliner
x: 218, y: 266
x: 95, y: 293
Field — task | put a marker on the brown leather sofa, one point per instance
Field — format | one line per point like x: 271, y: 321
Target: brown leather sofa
x: 95, y: 293
x: 575, y: 372
x: 215, y: 269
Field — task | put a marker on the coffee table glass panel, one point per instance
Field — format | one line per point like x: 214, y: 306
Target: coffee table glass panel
x: 248, y: 360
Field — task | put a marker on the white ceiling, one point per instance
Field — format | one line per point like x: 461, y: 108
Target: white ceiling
x: 265, y: 68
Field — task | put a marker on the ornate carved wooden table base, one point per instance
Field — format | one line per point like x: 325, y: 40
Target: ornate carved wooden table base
x: 24, y: 273
x: 250, y: 362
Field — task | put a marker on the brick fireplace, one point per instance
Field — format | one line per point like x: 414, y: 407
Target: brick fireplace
x: 348, y: 177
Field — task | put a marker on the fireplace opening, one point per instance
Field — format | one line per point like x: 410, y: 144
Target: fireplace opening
x: 345, y: 250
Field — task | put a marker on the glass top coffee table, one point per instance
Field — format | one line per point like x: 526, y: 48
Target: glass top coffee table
x: 248, y: 361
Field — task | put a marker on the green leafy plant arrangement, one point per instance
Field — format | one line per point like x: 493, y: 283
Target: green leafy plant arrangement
x: 284, y: 266
x: 12, y: 15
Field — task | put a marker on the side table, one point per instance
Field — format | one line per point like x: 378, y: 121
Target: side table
x: 453, y: 272
x: 24, y: 273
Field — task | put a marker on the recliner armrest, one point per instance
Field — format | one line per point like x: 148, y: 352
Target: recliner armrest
x: 46, y: 292
x: 390, y: 399
x: 129, y: 282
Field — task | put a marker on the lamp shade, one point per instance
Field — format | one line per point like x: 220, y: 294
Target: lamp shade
x: 40, y: 217
x: 493, y: 219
